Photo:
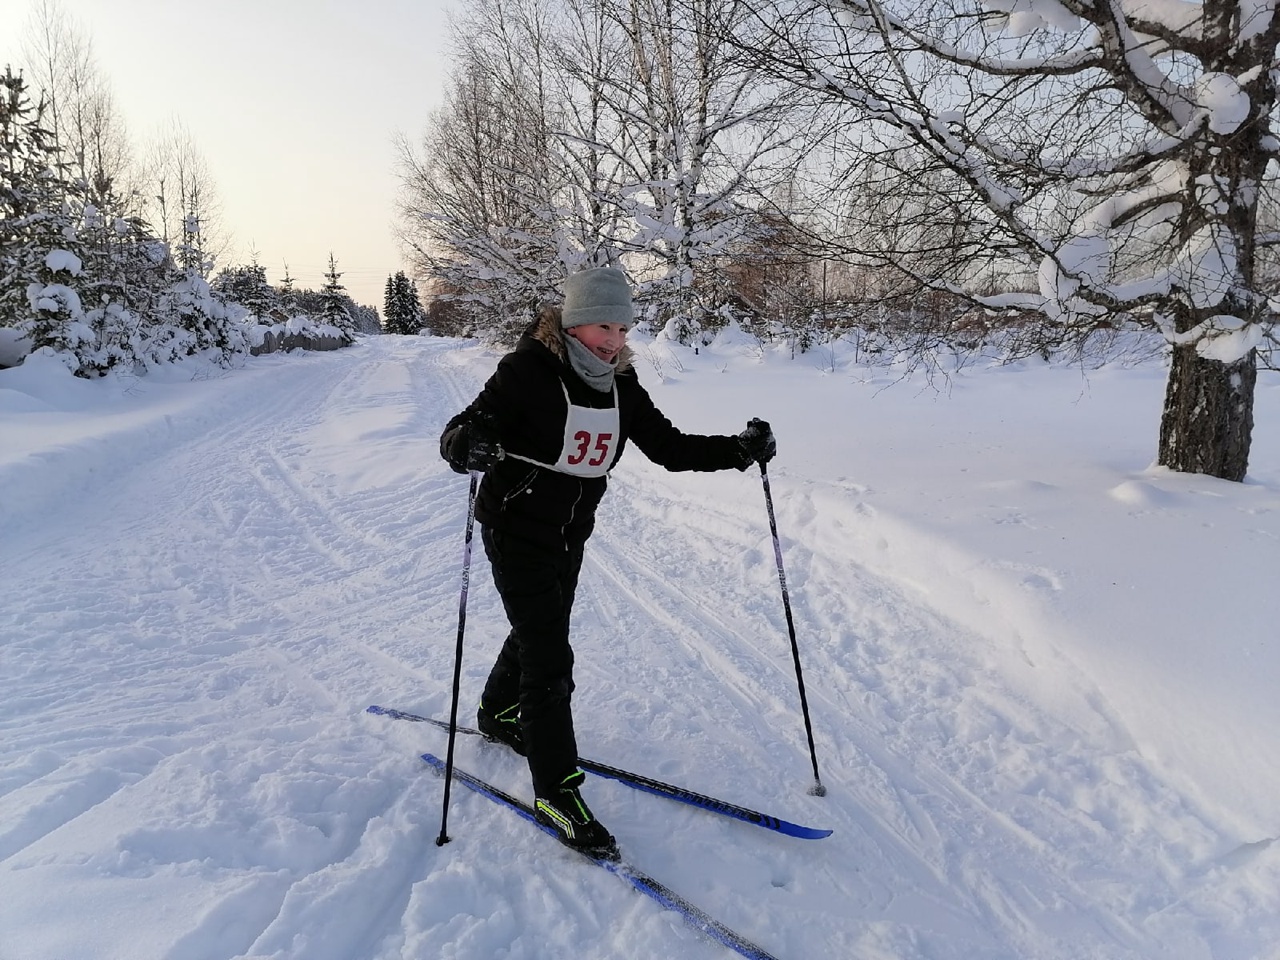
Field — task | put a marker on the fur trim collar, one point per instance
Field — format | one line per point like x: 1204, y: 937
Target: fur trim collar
x: 548, y: 332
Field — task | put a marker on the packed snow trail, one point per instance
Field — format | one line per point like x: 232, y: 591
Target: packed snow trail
x: 198, y: 612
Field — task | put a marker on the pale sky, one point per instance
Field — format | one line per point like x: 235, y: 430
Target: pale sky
x: 293, y: 105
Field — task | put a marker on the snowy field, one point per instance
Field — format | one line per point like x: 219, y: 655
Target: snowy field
x: 1041, y: 672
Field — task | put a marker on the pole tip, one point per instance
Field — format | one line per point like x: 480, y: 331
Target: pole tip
x: 817, y: 790
x: 441, y: 840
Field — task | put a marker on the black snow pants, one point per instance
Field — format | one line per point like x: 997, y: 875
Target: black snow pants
x: 535, y: 666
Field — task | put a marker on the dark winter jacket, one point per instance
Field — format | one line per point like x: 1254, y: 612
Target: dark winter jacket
x: 523, y: 403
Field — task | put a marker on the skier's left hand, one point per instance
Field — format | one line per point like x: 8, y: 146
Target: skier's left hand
x: 758, y: 444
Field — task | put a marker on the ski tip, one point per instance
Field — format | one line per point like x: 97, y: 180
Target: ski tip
x: 374, y: 708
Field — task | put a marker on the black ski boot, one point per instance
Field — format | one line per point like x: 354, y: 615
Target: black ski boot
x: 575, y: 826
x: 501, y: 726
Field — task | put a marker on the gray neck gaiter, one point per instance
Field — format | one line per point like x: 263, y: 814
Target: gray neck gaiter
x: 596, y: 373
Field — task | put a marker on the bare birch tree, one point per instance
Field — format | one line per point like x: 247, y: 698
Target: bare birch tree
x: 181, y: 199
x: 1114, y: 152
x: 588, y: 131
x: 478, y: 203
x: 696, y: 137
x: 81, y: 110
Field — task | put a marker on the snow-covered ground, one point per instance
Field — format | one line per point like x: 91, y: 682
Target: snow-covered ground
x: 1041, y: 673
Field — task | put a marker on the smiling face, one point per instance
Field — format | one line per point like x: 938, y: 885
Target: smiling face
x: 605, y: 340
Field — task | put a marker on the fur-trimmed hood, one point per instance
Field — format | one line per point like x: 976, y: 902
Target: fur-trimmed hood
x: 548, y: 332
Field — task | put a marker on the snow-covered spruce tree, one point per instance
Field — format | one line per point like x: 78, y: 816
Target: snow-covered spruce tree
x: 194, y: 321
x: 189, y: 317
x: 402, y: 311
x: 285, y: 293
x: 1116, y: 151
x: 40, y: 263
x: 391, y: 306
x: 409, y: 310
x: 334, y: 303
x: 125, y: 270
x: 247, y: 285
x: 389, y: 314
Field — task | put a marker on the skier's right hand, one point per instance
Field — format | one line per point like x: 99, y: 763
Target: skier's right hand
x: 472, y: 445
x: 484, y: 449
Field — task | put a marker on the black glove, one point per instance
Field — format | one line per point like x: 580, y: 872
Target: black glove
x: 484, y: 449
x: 453, y: 448
x: 471, y: 446
x: 758, y: 445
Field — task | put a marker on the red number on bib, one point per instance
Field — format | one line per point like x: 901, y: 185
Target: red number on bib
x: 584, y: 444
x: 602, y: 449
x: 583, y: 439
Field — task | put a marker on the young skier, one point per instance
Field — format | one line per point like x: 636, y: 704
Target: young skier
x: 546, y: 429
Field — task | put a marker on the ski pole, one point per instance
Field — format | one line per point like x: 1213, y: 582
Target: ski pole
x: 457, y: 659
x: 817, y: 790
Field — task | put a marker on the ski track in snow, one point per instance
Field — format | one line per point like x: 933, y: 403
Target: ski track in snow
x: 187, y: 654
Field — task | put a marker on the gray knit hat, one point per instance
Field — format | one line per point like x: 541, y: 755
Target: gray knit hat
x: 598, y: 295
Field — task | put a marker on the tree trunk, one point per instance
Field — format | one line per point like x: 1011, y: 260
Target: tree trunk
x: 1207, y: 424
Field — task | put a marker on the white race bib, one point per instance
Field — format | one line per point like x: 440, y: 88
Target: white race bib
x: 590, y: 440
